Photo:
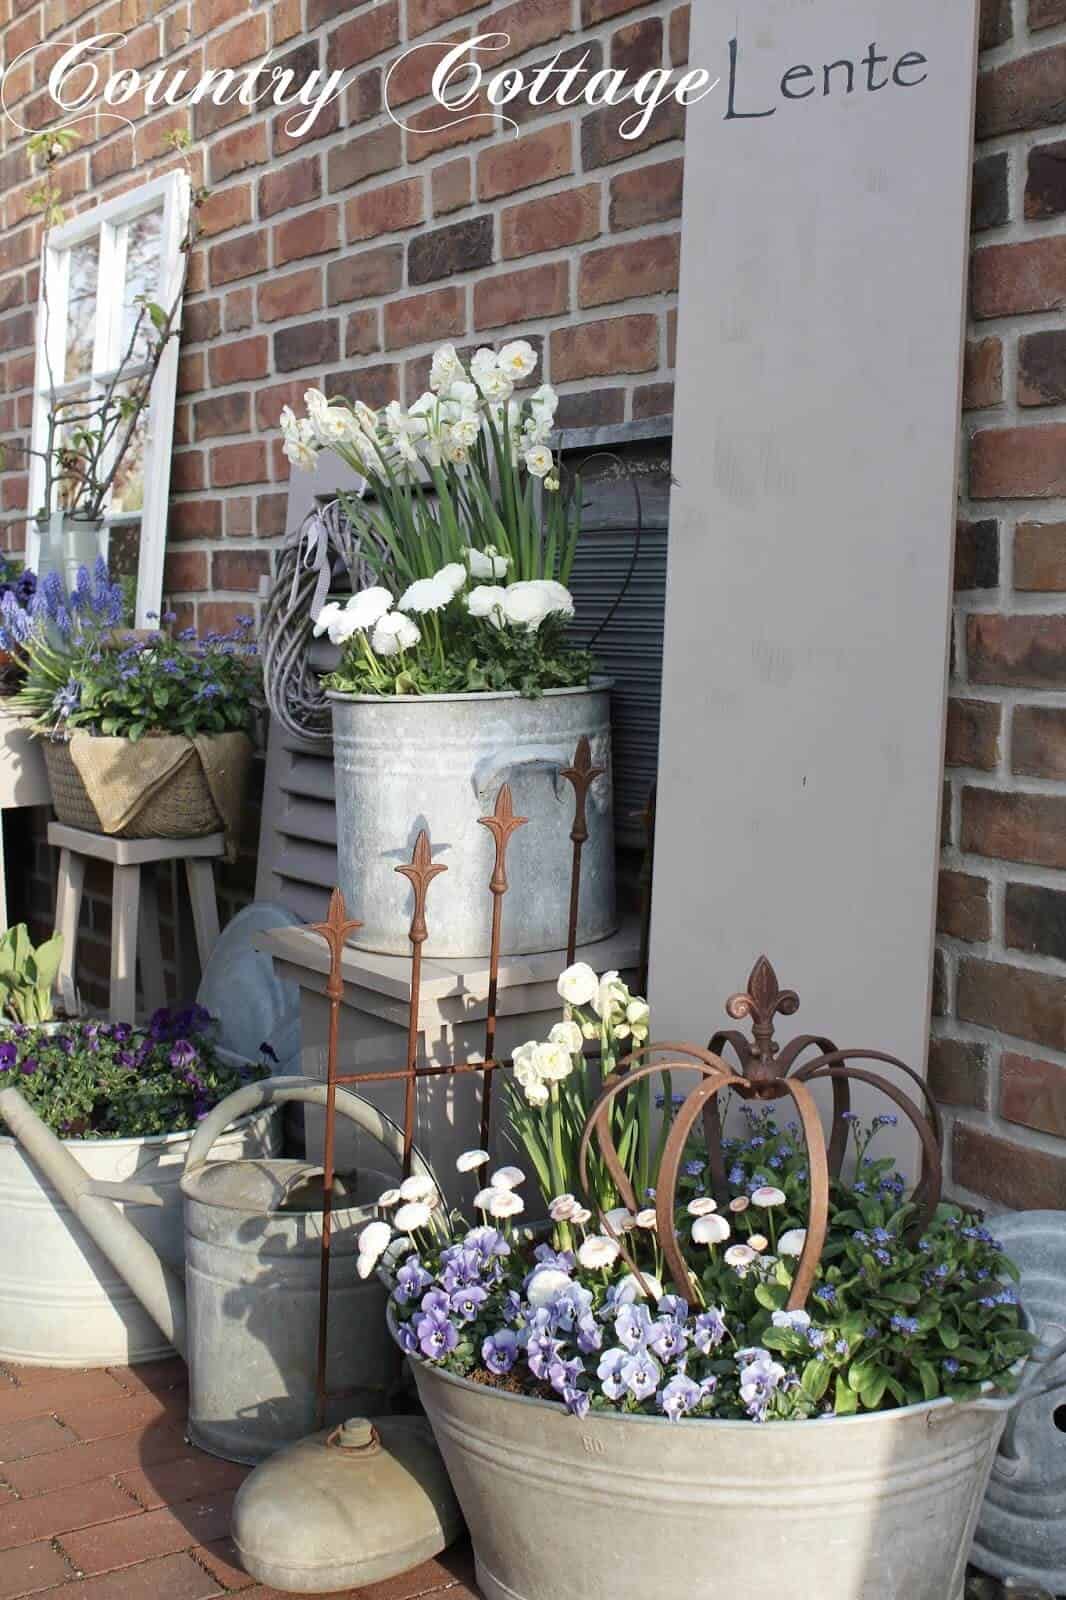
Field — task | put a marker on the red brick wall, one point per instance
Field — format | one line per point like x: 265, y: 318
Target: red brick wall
x: 343, y: 257
x: 998, y: 1057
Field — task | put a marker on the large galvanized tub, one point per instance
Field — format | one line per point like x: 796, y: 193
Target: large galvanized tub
x: 437, y: 762
x: 61, y: 1302
x: 880, y: 1507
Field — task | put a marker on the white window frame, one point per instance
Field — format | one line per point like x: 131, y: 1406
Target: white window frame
x: 169, y: 194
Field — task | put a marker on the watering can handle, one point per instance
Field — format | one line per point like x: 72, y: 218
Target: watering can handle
x: 282, y: 1091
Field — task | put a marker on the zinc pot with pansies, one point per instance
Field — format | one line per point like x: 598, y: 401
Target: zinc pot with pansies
x: 873, y: 1507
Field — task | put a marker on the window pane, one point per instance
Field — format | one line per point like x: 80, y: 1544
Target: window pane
x: 76, y: 420
x: 127, y: 492
x: 142, y: 278
x: 123, y: 553
x: 81, y: 309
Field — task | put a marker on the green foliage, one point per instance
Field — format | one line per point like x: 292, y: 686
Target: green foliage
x: 477, y: 659
x: 27, y: 975
x: 100, y: 1080
x: 160, y: 685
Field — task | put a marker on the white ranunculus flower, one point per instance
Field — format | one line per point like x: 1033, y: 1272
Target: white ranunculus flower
x: 546, y: 1284
x: 569, y: 1035
x: 369, y: 606
x: 326, y: 617
x: 414, y: 1215
x: 486, y: 563
x: 562, y: 1208
x: 388, y: 1197
x: 487, y: 601
x: 557, y: 597
x: 454, y: 576
x: 702, y: 1206
x: 710, y: 1229
x: 598, y: 1251
x: 418, y: 1187
x: 426, y: 594
x: 792, y: 1242
x: 507, y: 1178
x: 647, y: 1218
x: 525, y: 605
x: 539, y: 461
x: 375, y: 1239
x: 578, y: 985
x: 620, y: 1219
x: 739, y: 1255
x: 470, y: 1160
x: 506, y: 1204
x: 767, y: 1197
x: 343, y: 627
x: 518, y: 358
x: 555, y: 1062
x: 394, y: 633
x: 445, y: 368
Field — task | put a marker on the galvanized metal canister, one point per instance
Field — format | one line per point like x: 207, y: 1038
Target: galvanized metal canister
x: 626, y: 1508
x: 437, y: 762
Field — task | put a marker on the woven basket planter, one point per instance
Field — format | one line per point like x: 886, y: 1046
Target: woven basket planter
x: 182, y: 808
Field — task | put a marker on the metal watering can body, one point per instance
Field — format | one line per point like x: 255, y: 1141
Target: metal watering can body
x: 246, y: 1317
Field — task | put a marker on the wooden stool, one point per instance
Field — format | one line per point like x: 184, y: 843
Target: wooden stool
x: 133, y: 903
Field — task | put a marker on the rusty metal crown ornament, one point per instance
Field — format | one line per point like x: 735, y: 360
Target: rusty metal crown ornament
x: 766, y: 1072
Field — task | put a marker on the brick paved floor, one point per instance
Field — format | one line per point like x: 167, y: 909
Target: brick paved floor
x: 102, y: 1499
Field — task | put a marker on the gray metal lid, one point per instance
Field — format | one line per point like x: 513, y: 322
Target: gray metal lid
x: 1022, y: 1528
x: 242, y: 989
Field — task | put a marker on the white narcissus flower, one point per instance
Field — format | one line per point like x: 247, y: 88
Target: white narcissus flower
x: 470, y: 1160
x: 792, y: 1242
x: 539, y: 461
x: 486, y: 563
x: 767, y: 1197
x: 411, y: 1216
x: 394, y: 633
x: 562, y: 1208
x: 487, y: 601
x: 739, y: 1255
x: 638, y: 1013
x: 463, y: 432
x: 465, y: 395
x: 555, y: 1062
x: 598, y: 1251
x: 454, y: 576
x: 611, y: 996
x: 445, y: 368
x: 369, y: 606
x: 425, y: 594
x: 569, y: 1035
x: 418, y: 1187
x: 578, y: 985
x: 507, y: 1178
x: 506, y: 1204
x: 518, y: 358
x: 546, y: 1284
x: 710, y: 1229
x: 537, y: 1095
x: 484, y: 360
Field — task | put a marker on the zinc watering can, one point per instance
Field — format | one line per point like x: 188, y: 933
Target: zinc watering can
x: 246, y: 1316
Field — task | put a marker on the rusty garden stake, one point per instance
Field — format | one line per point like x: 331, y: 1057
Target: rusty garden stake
x: 420, y: 873
x: 582, y: 775
x: 502, y: 824
x: 335, y: 931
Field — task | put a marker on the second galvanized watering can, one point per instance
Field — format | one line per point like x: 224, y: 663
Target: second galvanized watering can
x: 246, y: 1317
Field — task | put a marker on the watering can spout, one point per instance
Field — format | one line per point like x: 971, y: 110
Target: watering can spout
x: 157, y: 1286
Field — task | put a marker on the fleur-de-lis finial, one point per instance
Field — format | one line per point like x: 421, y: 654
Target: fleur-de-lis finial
x: 420, y: 873
x: 502, y: 824
x: 335, y: 930
x: 763, y: 1000
x: 582, y: 775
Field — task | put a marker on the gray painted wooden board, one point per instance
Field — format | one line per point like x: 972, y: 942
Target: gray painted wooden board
x: 822, y: 297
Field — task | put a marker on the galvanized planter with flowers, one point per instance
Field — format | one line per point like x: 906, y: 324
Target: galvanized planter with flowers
x: 456, y: 673
x: 126, y: 1103
x: 746, y: 1362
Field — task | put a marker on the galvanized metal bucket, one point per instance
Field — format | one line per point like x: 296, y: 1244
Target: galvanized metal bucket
x: 627, y: 1508
x: 437, y: 762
